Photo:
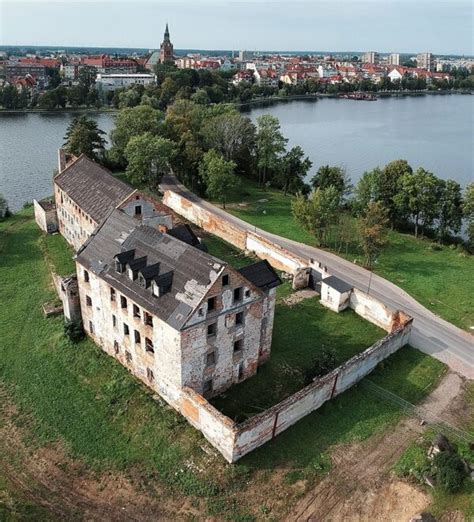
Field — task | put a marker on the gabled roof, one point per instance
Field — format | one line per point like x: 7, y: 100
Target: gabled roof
x: 188, y: 272
x: 262, y: 275
x: 92, y: 187
x: 338, y: 284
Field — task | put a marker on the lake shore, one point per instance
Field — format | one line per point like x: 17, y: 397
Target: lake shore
x: 251, y: 103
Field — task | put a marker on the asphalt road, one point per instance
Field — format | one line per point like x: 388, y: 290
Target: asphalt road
x: 430, y: 333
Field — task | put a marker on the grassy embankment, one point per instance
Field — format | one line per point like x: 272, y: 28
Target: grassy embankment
x: 77, y: 396
x: 440, y: 277
x: 414, y: 461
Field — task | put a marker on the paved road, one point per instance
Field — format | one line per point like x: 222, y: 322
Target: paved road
x: 430, y: 333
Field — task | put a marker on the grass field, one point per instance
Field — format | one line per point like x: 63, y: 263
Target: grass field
x: 78, y: 396
x: 440, y: 277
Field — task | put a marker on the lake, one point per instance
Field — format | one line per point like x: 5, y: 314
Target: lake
x: 435, y: 132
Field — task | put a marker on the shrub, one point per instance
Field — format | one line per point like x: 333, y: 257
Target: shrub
x: 4, y: 211
x: 450, y: 471
x: 74, y: 331
x: 324, y: 363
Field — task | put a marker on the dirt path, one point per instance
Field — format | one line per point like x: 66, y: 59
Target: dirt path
x: 359, y: 486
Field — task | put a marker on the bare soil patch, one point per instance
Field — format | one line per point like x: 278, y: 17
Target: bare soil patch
x: 296, y: 297
x: 360, y: 485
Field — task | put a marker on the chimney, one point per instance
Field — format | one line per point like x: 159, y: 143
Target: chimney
x: 163, y: 229
x: 61, y: 160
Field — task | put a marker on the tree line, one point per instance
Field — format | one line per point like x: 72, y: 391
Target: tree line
x: 203, y: 87
x: 213, y: 149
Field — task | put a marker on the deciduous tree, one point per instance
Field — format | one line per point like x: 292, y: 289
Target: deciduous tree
x: 450, y: 210
x: 388, y: 185
x: 373, y: 232
x: 232, y: 134
x: 218, y: 175
x: 148, y: 158
x: 317, y: 212
x: 366, y: 190
x: 336, y: 177
x: 293, y: 169
x: 133, y: 122
x: 270, y: 145
x: 468, y: 210
x: 417, y: 197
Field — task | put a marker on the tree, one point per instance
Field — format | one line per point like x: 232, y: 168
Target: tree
x: 201, y: 97
x: 450, y: 207
x: 417, y: 197
x: 323, y: 364
x: 218, y: 175
x: 317, y: 212
x: 54, y: 79
x: 293, y: 170
x: 388, y: 186
x: 53, y: 99
x: 4, y: 211
x: 10, y: 97
x: 233, y: 135
x: 132, y: 122
x: 336, y: 177
x: 148, y: 158
x: 373, y: 231
x: 84, y: 137
x: 468, y: 211
x: 270, y: 145
x: 366, y: 190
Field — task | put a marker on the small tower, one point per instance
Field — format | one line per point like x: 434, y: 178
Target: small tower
x: 166, y: 48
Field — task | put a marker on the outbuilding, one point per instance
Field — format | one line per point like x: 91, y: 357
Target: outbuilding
x: 335, y: 293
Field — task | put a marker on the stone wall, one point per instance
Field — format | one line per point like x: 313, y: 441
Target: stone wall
x: 372, y: 310
x: 205, y: 219
x: 45, y: 216
x: 234, y: 440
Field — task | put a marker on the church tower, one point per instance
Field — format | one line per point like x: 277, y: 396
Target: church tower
x: 166, y: 48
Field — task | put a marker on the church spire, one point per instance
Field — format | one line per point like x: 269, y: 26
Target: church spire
x: 167, y: 32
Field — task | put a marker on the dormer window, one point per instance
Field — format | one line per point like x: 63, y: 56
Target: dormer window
x: 138, y: 210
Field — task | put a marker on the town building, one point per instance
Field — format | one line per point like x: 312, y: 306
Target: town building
x: 166, y: 48
x: 370, y: 57
x: 245, y: 56
x: 394, y: 59
x: 111, y: 82
x: 106, y: 65
x: 425, y: 61
x: 19, y: 69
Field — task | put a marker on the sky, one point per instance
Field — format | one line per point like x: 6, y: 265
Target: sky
x: 405, y: 26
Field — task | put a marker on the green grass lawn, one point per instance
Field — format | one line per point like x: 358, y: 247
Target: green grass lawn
x: 59, y: 254
x: 440, y: 277
x: 105, y: 418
